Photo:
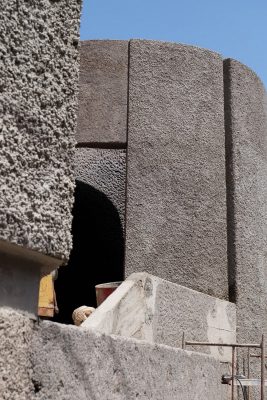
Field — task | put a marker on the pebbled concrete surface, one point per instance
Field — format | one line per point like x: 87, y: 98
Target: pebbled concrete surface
x: 246, y: 133
x: 102, y: 114
x: 16, y: 331
x: 39, y: 72
x: 105, y: 170
x: 176, y: 192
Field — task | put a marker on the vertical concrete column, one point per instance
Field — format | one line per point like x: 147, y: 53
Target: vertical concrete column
x: 39, y: 73
x: 246, y: 134
x: 176, y: 192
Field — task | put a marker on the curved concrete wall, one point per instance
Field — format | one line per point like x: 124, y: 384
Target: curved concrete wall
x: 39, y: 72
x: 176, y: 191
x: 246, y: 133
x: 182, y: 114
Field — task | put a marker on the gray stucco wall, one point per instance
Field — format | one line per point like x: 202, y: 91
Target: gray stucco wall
x: 105, y: 170
x: 62, y: 362
x: 176, y: 191
x: 102, y: 114
x: 246, y: 134
x: 39, y: 73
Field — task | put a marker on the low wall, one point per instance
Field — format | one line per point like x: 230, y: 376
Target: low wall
x: 65, y: 363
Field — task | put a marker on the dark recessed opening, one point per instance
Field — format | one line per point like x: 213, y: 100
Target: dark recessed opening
x: 97, y: 255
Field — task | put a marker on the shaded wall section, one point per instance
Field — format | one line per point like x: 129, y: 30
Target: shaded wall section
x: 105, y: 170
x: 246, y: 139
x: 97, y: 254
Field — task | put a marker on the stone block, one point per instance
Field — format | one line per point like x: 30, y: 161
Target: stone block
x: 152, y: 309
x: 105, y: 170
x: 102, y: 114
x: 39, y: 76
x: 176, y: 191
x: 246, y: 130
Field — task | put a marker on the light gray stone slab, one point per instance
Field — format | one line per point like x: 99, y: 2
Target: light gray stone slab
x: 105, y: 170
x: 149, y: 308
x: 102, y: 114
x: 246, y: 133
x: 176, y: 192
x: 39, y: 76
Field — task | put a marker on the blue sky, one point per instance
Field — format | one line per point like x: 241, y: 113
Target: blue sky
x: 234, y: 28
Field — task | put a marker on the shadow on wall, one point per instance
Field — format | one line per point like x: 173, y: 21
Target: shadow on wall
x: 98, y: 251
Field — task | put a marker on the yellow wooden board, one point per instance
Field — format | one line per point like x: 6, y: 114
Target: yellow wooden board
x: 46, y: 304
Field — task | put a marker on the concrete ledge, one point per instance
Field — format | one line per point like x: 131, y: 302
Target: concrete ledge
x: 149, y: 308
x: 20, y: 273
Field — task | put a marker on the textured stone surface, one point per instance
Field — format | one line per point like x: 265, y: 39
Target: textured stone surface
x: 246, y: 130
x: 72, y: 362
x: 39, y: 73
x: 149, y: 308
x: 105, y: 170
x: 176, y: 207
x: 102, y: 116
x: 59, y: 362
x: 16, y: 332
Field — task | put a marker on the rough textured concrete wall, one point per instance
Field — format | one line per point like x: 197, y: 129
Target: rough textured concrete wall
x: 39, y: 72
x: 102, y: 116
x: 60, y: 362
x: 105, y: 170
x: 246, y: 133
x: 16, y: 332
x: 149, y: 308
x: 176, y: 192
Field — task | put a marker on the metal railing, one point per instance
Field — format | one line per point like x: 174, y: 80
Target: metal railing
x: 234, y: 346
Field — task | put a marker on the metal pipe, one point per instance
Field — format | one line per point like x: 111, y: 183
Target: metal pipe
x: 262, y: 366
x: 252, y: 345
x: 257, y: 356
x: 183, y: 341
x: 233, y: 373
x: 248, y: 372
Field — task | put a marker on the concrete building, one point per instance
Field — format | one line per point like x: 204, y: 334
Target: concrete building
x: 170, y: 169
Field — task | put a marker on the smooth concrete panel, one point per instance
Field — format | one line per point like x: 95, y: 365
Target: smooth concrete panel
x: 20, y: 273
x: 246, y: 133
x: 102, y: 114
x: 176, y: 192
x: 104, y: 170
x: 39, y: 77
x: 152, y: 309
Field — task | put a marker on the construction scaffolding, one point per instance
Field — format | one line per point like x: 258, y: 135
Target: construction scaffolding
x: 241, y: 381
